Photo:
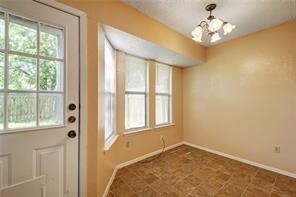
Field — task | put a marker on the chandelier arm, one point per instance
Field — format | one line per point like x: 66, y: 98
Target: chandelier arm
x: 201, y: 23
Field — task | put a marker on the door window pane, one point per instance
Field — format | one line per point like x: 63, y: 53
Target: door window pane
x: 2, y: 31
x: 135, y: 116
x: 51, y: 75
x: 22, y: 35
x: 1, y: 70
x: 1, y: 110
x: 51, y: 109
x: 163, y: 78
x: 22, y: 73
x: 51, y: 41
x: 162, y: 109
x: 21, y: 110
x: 135, y: 74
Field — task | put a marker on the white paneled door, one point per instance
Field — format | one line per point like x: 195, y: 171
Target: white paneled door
x: 39, y: 99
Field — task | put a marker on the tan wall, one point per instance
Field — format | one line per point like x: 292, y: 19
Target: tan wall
x: 242, y: 101
x: 114, y: 13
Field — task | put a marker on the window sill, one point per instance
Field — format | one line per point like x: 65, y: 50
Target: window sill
x: 110, y: 142
x: 129, y: 132
x: 164, y: 125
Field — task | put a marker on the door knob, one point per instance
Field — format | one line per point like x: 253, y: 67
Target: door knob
x: 72, y: 107
x: 72, y: 134
x: 71, y: 119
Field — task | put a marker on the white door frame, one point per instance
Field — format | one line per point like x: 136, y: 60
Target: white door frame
x: 82, y: 89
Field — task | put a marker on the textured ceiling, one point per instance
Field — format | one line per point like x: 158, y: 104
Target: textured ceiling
x: 142, y: 48
x: 248, y: 15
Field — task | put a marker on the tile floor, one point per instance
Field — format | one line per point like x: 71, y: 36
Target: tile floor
x: 186, y: 171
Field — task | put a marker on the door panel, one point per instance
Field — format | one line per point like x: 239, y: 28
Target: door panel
x: 39, y: 62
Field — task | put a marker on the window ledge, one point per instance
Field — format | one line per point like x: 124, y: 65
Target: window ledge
x: 164, y: 125
x: 129, y: 132
x: 110, y: 142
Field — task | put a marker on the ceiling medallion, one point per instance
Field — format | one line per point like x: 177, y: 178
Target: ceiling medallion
x: 211, y: 28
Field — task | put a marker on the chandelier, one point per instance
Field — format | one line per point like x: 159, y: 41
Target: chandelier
x: 211, y: 28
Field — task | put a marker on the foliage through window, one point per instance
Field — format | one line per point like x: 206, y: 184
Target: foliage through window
x: 135, y: 93
x: 31, y: 73
x: 163, y: 94
x: 110, y: 90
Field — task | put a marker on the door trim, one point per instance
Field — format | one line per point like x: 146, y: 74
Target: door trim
x: 82, y: 89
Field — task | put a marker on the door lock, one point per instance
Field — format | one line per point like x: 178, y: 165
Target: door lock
x: 71, y: 119
x: 72, y: 134
x: 72, y: 107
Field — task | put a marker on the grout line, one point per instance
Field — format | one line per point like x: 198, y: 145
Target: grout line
x: 273, y: 185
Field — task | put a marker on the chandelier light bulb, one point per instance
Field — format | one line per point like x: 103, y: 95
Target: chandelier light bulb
x: 197, y: 32
x: 197, y: 39
x: 215, y: 24
x: 215, y: 37
x: 228, y: 27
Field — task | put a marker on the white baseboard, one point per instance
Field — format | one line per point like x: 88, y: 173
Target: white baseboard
x: 127, y: 163
x: 283, y: 172
x: 110, y: 182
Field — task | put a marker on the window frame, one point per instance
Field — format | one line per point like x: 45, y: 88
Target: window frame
x: 169, y: 94
x: 109, y: 140
x: 146, y: 96
x: 6, y: 51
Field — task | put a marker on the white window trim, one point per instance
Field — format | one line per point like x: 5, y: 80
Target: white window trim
x: 110, y: 141
x: 137, y: 130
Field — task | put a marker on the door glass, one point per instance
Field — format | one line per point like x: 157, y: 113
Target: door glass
x: 21, y: 110
x: 51, y: 109
x: 1, y: 70
x: 32, y: 87
x: 51, y: 75
x: 2, y: 30
x: 51, y: 41
x: 22, y: 35
x: 1, y: 111
x: 22, y: 73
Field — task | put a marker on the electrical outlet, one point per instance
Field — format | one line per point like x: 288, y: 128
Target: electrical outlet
x: 277, y: 149
x: 161, y: 137
x: 127, y: 144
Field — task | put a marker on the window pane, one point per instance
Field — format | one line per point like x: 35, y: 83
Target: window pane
x: 22, y: 35
x: 110, y: 68
x: 51, y: 109
x: 135, y: 74
x: 51, y: 41
x: 22, y: 73
x: 162, y: 109
x: 2, y: 31
x: 21, y: 110
x: 1, y: 110
x: 51, y: 75
x: 135, y: 111
x: 163, y: 78
x: 1, y: 70
x: 109, y: 114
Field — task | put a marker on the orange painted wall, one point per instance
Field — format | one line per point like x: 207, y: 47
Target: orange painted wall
x: 242, y: 101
